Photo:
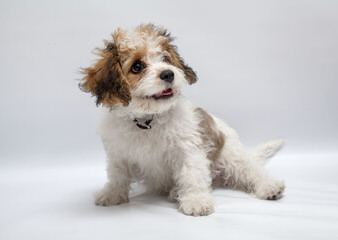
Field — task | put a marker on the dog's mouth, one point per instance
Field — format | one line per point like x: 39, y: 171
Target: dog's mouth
x: 167, y: 93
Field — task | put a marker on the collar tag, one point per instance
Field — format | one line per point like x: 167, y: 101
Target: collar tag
x: 144, y: 123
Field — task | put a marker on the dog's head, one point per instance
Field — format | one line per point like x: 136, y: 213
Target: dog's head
x: 139, y: 69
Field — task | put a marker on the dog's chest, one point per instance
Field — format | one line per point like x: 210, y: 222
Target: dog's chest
x: 151, y: 145
x: 164, y: 142
x: 143, y: 146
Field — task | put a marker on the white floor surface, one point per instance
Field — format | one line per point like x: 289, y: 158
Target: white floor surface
x: 56, y: 202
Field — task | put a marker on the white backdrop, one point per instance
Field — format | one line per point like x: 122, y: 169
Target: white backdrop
x: 269, y: 68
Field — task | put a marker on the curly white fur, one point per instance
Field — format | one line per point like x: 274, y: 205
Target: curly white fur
x: 168, y: 157
x: 172, y: 156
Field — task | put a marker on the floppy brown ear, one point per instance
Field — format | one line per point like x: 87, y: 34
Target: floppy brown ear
x: 190, y: 74
x: 105, y: 79
x: 176, y: 59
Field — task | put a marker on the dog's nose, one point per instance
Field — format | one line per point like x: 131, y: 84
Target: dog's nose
x: 167, y: 75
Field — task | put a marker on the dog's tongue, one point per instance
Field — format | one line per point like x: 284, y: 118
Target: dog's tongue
x: 166, y: 92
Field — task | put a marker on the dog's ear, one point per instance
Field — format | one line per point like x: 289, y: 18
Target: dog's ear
x: 189, y: 73
x: 176, y: 59
x: 105, y: 79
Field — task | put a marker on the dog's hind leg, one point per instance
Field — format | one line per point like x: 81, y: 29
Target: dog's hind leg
x: 238, y: 169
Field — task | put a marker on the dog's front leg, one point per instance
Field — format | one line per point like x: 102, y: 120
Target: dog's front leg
x: 116, y: 190
x: 193, y: 183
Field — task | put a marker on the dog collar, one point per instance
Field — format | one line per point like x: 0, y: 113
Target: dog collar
x: 144, y: 123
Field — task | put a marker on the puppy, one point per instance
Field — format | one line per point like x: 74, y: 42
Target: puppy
x: 152, y: 133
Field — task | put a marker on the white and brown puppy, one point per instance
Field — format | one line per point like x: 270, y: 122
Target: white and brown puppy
x: 151, y: 132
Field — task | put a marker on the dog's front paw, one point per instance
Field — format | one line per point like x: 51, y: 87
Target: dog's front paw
x: 271, y: 190
x: 196, y: 204
x: 108, y: 197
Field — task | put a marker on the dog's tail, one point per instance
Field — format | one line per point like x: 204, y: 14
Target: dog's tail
x: 267, y: 150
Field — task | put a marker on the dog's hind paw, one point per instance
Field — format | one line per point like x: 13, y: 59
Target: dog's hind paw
x: 272, y: 190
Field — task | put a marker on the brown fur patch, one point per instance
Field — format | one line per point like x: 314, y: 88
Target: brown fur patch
x: 105, y: 79
x: 212, y: 138
x: 176, y: 59
x: 165, y: 40
x: 110, y: 79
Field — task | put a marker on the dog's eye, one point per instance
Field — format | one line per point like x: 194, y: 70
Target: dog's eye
x: 137, y: 67
x: 166, y: 59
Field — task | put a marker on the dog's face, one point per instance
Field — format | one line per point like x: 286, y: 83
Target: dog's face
x: 140, y: 70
